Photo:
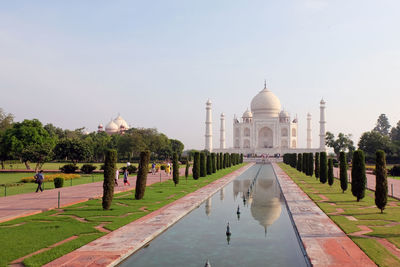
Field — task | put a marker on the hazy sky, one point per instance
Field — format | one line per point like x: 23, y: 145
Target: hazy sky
x: 80, y: 63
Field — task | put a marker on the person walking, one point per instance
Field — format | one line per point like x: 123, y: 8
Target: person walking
x: 168, y: 169
x: 39, y: 179
x: 126, y: 173
x: 153, y: 168
x: 116, y: 177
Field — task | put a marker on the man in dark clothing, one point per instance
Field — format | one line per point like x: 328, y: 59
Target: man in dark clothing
x: 39, y: 179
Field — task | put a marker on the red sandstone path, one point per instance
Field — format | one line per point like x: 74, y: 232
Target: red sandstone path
x: 371, y: 180
x: 32, y: 203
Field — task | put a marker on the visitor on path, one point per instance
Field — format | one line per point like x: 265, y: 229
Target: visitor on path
x: 39, y: 180
x: 116, y: 177
x: 126, y: 173
x: 153, y: 168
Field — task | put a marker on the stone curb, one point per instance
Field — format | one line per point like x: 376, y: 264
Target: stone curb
x: 116, y: 246
x: 325, y: 243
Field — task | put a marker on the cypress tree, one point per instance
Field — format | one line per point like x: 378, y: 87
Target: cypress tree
x: 187, y: 169
x: 203, y: 165
x: 299, y: 162
x: 213, y: 163
x: 225, y: 160
x: 209, y: 165
x: 323, y: 168
x: 304, y: 164
x: 109, y: 176
x: 241, y: 158
x: 221, y: 161
x: 175, y: 169
x: 343, y: 171
x: 196, y: 165
x: 217, y: 161
x: 381, y: 189
x: 358, y: 175
x: 330, y: 172
x: 317, y: 165
x: 143, y: 170
x: 310, y: 164
x: 294, y: 160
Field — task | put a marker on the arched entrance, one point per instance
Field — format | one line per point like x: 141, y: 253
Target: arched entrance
x: 265, y: 138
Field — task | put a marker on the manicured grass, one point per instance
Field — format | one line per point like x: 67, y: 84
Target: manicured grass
x: 23, y: 236
x: 383, y: 225
x: 12, y: 178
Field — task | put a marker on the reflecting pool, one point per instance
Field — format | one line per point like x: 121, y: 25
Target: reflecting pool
x: 261, y: 232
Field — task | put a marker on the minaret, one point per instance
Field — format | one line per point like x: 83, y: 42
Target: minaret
x: 309, y: 130
x: 208, y: 134
x: 322, y: 123
x: 222, y: 132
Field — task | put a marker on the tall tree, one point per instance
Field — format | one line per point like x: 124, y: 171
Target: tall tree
x: 395, y: 133
x: 342, y: 143
x: 203, y: 164
x: 299, y: 162
x: 358, y: 175
x: 382, y: 125
x: 323, y: 168
x: 317, y: 165
x: 6, y: 120
x: 143, y: 170
x: 330, y: 172
x: 343, y: 171
x: 72, y: 149
x: 28, y: 141
x: 372, y: 141
x: 381, y: 189
x: 196, y: 165
x: 175, y: 168
x: 109, y: 175
x: 176, y: 146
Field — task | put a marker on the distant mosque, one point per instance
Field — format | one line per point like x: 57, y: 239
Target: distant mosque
x: 266, y: 129
x: 115, y: 126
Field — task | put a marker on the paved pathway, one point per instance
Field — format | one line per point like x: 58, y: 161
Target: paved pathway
x: 32, y: 203
x: 371, y: 180
x: 114, y: 247
x: 325, y: 243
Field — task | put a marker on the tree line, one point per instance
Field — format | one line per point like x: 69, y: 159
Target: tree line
x: 31, y: 141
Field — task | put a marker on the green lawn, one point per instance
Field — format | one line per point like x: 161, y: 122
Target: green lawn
x: 383, y: 225
x: 12, y: 178
x: 26, y: 235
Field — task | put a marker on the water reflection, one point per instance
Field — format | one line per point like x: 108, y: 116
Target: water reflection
x: 263, y: 196
x: 208, y: 206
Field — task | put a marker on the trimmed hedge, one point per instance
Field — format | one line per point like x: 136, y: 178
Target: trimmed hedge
x: 323, y: 168
x: 175, y: 169
x: 88, y: 168
x: 109, y: 175
x: 358, y: 175
x: 330, y: 172
x: 142, y: 174
x: 58, y: 182
x: 381, y: 189
x: 343, y: 171
x: 196, y: 165
x: 69, y: 168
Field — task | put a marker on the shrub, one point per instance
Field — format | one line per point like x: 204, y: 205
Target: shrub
x: 358, y: 175
x: 58, y: 182
x: 299, y: 162
x: 187, y: 169
x: 381, y: 189
x: 109, y: 175
x: 343, y: 171
x: 395, y: 170
x: 241, y: 158
x: 50, y: 177
x: 209, y: 165
x: 317, y: 165
x: 330, y: 172
x: 142, y: 174
x: 88, y: 168
x: 132, y: 169
x: 175, y: 169
x: 69, y: 168
x: 163, y: 167
x: 196, y: 166
x: 203, y: 165
x: 323, y: 168
x: 213, y: 163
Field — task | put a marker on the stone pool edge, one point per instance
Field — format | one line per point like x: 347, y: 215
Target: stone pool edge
x: 115, y: 247
x: 325, y: 243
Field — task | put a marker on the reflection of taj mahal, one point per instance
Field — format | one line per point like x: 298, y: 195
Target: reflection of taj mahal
x: 265, y: 129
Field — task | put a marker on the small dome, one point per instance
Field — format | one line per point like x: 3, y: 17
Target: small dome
x: 119, y: 121
x: 247, y: 114
x: 100, y: 126
x: 265, y: 104
x: 112, y: 127
x: 284, y: 114
x: 322, y: 102
x: 208, y: 102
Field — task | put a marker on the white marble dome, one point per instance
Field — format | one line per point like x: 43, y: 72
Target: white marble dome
x: 247, y: 114
x: 284, y: 114
x: 112, y: 127
x: 119, y: 121
x: 265, y: 104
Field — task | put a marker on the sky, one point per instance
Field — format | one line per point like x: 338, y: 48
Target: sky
x: 80, y: 63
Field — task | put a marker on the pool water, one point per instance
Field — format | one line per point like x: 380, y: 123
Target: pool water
x: 261, y: 235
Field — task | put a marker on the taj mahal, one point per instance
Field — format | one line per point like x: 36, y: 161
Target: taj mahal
x: 265, y: 129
